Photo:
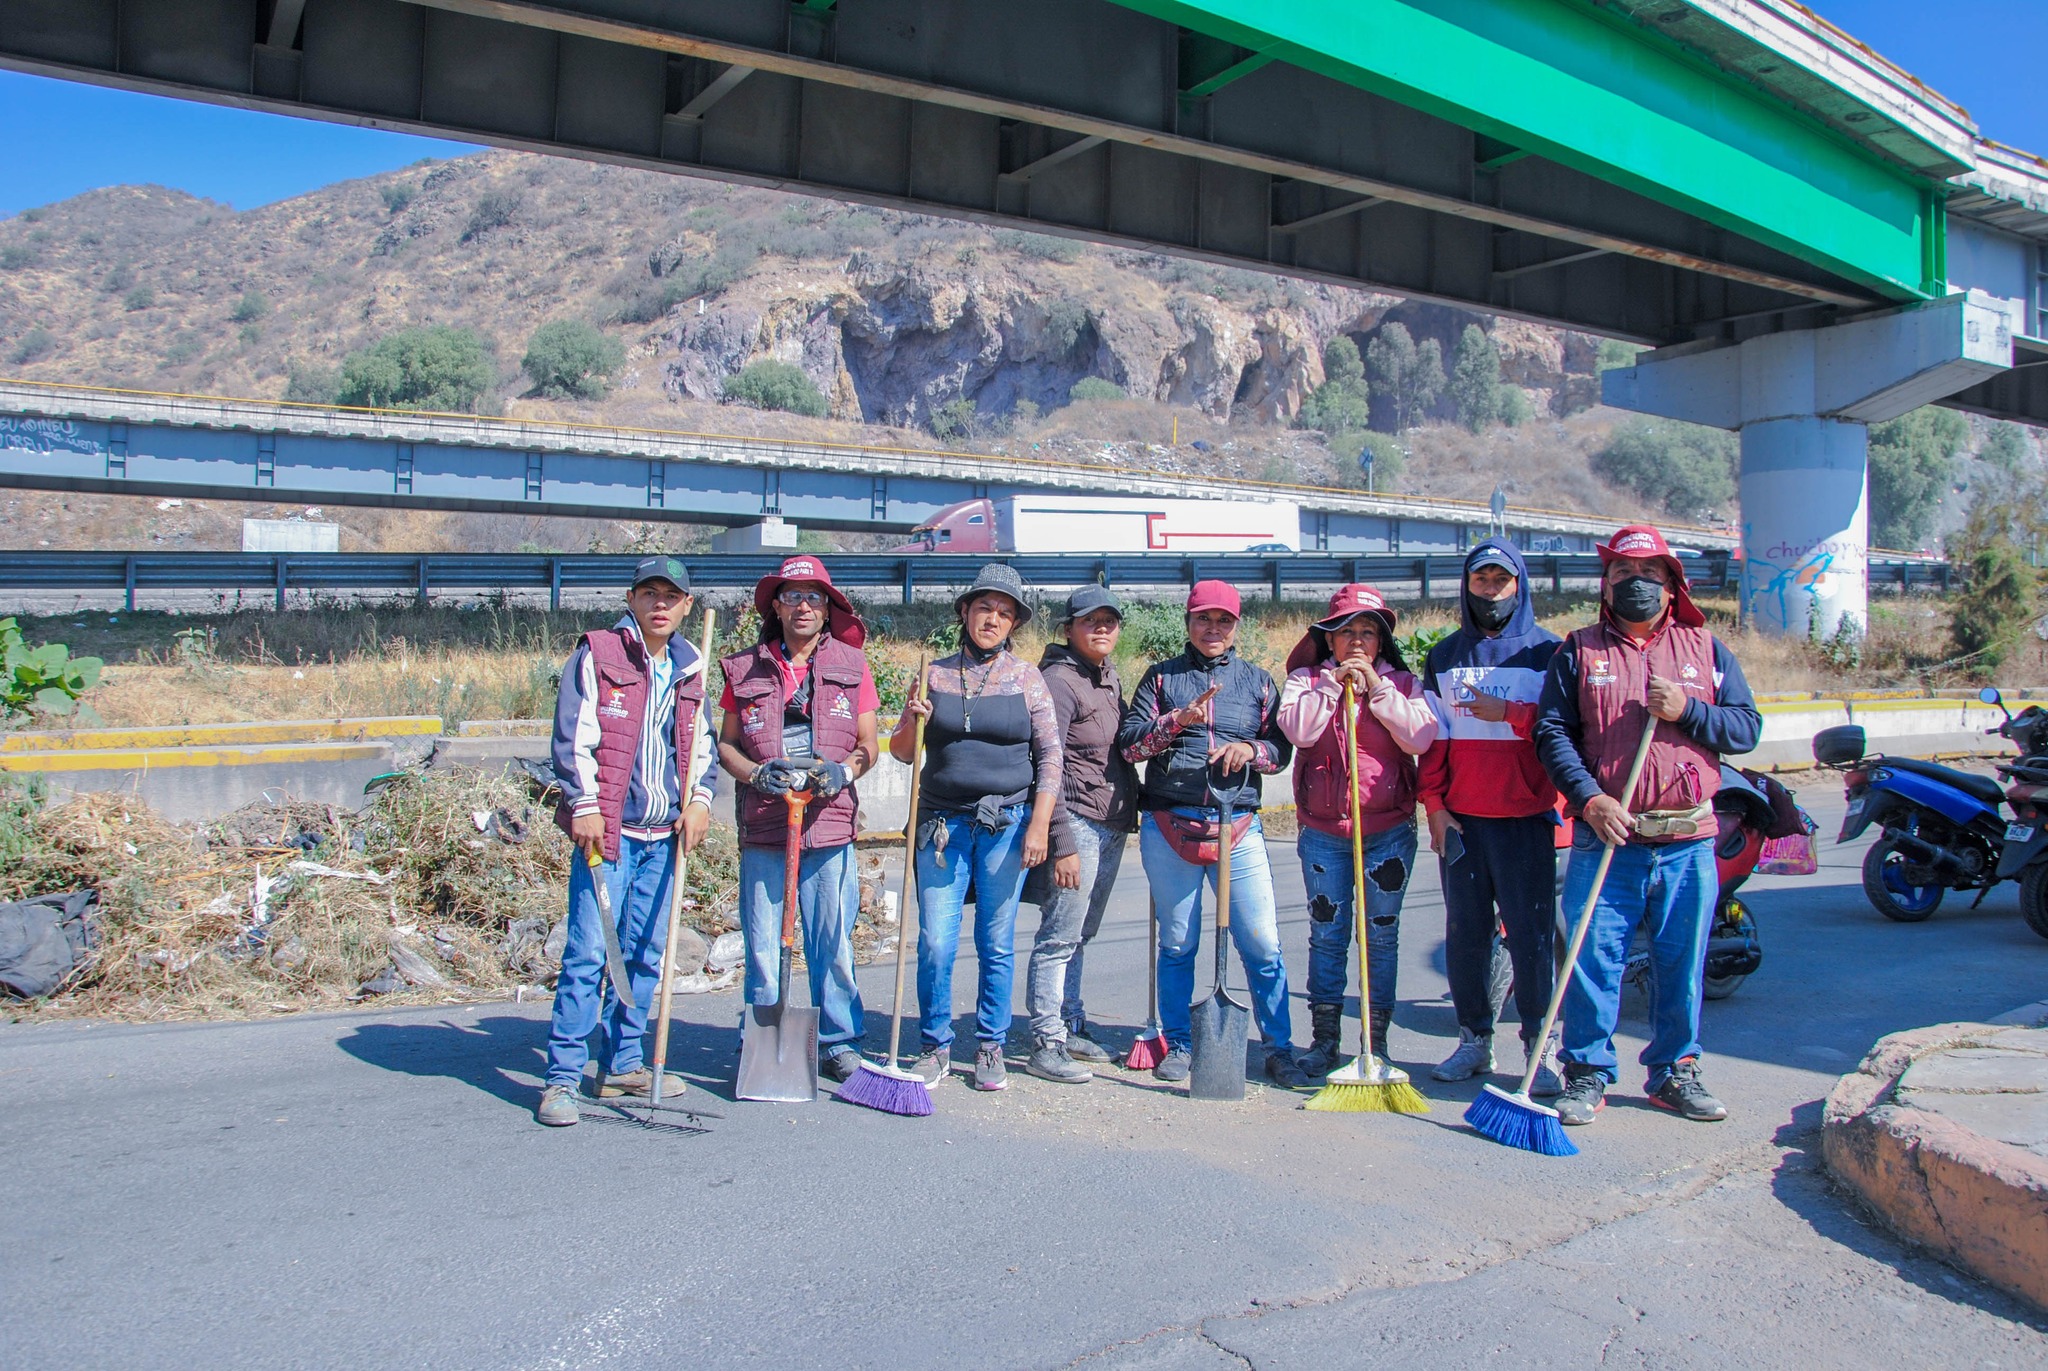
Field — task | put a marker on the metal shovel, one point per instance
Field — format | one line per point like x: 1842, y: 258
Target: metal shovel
x: 1221, y: 1023
x: 779, y: 1042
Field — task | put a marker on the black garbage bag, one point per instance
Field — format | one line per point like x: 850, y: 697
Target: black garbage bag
x: 42, y: 939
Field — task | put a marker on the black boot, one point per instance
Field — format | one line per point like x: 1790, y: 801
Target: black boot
x: 1379, y: 1020
x: 1324, y: 1052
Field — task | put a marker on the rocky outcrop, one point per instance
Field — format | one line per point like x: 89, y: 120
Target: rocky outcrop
x: 891, y: 342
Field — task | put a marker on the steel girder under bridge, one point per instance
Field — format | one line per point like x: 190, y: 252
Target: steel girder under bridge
x: 1663, y: 170
x: 124, y: 442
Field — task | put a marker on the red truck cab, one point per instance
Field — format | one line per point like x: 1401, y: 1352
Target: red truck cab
x: 968, y: 527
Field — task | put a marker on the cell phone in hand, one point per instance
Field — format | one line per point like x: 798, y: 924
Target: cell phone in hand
x: 1454, y: 846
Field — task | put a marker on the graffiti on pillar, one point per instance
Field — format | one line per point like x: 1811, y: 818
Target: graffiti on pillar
x: 1812, y: 573
x: 48, y: 435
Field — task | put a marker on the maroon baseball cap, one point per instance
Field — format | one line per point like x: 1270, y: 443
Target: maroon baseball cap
x: 1215, y: 595
x: 1641, y: 540
x: 844, y: 623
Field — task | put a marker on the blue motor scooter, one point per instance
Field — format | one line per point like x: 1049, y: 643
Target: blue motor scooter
x: 1941, y: 829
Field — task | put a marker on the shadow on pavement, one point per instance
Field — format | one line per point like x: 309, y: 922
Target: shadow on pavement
x: 1801, y: 1183
x: 504, y: 1056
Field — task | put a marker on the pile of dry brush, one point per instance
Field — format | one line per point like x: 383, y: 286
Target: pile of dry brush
x: 444, y: 883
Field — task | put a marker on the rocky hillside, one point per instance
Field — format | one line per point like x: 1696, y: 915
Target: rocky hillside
x: 892, y: 316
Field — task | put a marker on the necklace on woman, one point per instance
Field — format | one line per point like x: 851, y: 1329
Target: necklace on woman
x: 967, y: 701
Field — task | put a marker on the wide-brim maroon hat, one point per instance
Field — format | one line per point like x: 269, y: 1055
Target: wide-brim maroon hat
x: 841, y: 620
x: 1641, y: 540
x: 1348, y: 603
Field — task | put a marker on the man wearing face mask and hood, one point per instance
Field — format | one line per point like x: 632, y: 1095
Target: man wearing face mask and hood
x: 1491, y: 807
x: 1649, y: 656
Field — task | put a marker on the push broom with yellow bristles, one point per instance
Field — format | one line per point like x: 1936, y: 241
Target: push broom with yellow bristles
x: 1367, y: 1085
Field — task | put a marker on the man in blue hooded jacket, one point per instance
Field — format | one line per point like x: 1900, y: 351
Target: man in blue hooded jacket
x: 1492, y: 808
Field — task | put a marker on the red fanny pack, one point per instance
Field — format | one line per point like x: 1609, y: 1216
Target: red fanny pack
x: 1198, y: 841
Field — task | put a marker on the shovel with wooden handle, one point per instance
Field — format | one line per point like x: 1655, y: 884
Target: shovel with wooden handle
x: 1222, y: 1023
x: 779, y: 1042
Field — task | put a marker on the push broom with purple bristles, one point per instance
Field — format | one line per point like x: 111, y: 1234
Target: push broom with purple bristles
x: 884, y: 1085
x: 1514, y: 1119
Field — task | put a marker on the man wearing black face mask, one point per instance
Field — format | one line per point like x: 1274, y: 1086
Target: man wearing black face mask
x: 1649, y: 657
x: 1491, y: 808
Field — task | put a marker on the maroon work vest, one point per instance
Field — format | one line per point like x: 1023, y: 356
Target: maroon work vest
x: 619, y: 661
x: 1614, y: 686
x: 1322, y: 775
x: 755, y: 678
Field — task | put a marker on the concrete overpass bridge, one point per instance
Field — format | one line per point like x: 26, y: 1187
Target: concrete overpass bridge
x: 125, y: 442
x: 1811, y: 239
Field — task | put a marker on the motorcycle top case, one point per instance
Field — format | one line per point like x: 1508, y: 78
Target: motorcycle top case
x: 1842, y: 743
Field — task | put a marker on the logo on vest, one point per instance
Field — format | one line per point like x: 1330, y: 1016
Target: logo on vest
x: 752, y: 720
x: 1601, y: 672
x: 614, y: 706
x: 842, y: 708
x: 1689, y: 672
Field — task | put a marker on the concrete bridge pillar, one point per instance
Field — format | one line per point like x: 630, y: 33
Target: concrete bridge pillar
x: 1802, y: 402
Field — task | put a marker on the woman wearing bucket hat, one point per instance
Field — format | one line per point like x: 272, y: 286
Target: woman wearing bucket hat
x: 991, y: 781
x: 1098, y: 809
x: 800, y: 709
x: 1353, y: 644
x: 1203, y: 723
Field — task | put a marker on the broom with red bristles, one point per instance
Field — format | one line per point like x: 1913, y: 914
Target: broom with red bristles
x: 884, y: 1085
x: 1150, y: 1048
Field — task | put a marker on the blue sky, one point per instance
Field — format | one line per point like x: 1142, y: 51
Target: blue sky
x: 64, y: 138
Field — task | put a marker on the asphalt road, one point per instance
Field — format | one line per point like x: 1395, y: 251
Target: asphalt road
x: 370, y: 1190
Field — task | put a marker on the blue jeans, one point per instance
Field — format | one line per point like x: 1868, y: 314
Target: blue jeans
x: 828, y: 904
x: 1254, y: 927
x: 1668, y: 888
x: 1326, y: 872
x: 638, y: 882
x: 1068, y: 920
x: 994, y: 863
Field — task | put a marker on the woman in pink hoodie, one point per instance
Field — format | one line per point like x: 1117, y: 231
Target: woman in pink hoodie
x: 1354, y: 642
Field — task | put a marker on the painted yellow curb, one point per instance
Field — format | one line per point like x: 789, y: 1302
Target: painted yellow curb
x: 222, y: 735
x: 157, y: 759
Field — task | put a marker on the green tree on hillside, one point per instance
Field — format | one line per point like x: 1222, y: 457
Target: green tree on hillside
x: 1912, y: 462
x: 768, y: 384
x: 1998, y: 601
x: 1341, y: 404
x: 1686, y: 468
x: 2005, y: 447
x: 567, y: 358
x: 1408, y: 377
x: 1093, y: 387
x: 1475, y: 384
x: 444, y: 369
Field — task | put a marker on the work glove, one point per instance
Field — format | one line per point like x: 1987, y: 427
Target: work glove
x: 778, y: 776
x: 828, y: 778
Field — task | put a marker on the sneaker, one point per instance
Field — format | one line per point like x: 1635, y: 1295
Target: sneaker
x: 989, y: 1071
x: 557, y: 1108
x: 639, y: 1081
x: 933, y: 1066
x: 1546, y: 1084
x: 1681, y: 1092
x: 1473, y: 1057
x: 1052, y: 1062
x: 1582, y: 1098
x: 1084, y: 1044
x: 1283, y: 1071
x: 1173, y: 1067
x: 839, y: 1064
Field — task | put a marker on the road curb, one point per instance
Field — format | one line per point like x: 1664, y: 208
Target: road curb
x: 1978, y: 1202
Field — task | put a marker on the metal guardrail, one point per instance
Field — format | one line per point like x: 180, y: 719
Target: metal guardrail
x: 425, y: 574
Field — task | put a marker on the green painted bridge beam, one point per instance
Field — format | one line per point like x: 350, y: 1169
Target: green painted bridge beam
x: 1594, y: 92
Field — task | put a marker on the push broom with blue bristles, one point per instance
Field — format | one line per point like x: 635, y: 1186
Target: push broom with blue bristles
x: 1514, y: 1119
x: 884, y: 1085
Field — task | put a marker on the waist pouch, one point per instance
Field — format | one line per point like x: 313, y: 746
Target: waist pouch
x: 1199, y: 841
x: 1675, y: 823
